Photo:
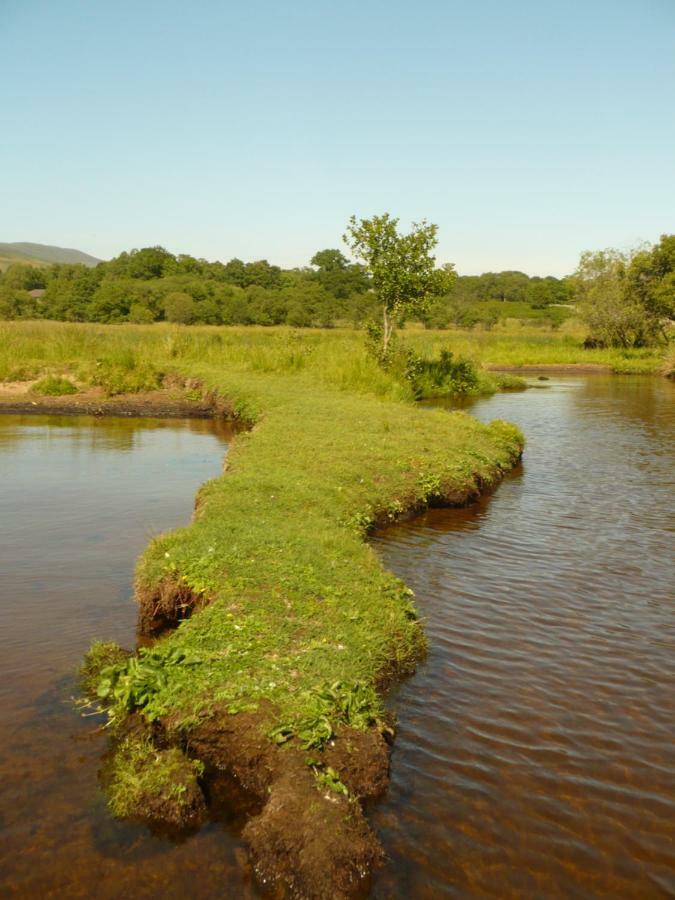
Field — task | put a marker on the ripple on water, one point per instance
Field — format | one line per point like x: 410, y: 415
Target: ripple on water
x: 536, y: 752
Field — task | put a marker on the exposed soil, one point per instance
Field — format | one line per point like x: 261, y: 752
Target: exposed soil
x: 164, y: 812
x: 304, y: 838
x: 169, y: 402
x: 554, y: 368
x: 318, y: 845
x: 362, y: 759
x: 165, y: 605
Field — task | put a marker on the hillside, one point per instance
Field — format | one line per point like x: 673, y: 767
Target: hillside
x: 24, y: 251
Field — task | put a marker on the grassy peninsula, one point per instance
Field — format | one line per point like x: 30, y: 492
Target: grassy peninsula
x: 277, y: 627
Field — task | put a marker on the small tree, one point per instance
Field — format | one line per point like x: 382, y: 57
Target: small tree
x: 179, y: 307
x: 400, y: 266
x: 620, y: 306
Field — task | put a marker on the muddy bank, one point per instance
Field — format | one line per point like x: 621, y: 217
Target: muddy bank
x: 306, y: 836
x: 171, y: 402
x: 554, y: 368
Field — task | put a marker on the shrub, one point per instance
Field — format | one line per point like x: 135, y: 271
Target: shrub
x: 445, y: 376
x: 54, y: 386
x: 125, y: 376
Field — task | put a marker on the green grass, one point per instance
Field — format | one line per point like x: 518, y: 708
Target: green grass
x: 142, y: 778
x: 519, y: 345
x: 301, y: 602
x: 128, y: 357
x: 54, y: 386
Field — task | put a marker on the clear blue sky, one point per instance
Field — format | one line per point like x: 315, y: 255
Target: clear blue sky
x: 528, y: 130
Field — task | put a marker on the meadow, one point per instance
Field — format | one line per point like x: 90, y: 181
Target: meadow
x: 136, y: 354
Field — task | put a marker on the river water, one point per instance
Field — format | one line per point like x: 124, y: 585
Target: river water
x: 79, y: 500
x: 536, y: 751
x: 535, y: 755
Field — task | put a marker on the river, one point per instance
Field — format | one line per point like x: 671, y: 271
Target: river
x: 536, y: 750
x: 535, y: 754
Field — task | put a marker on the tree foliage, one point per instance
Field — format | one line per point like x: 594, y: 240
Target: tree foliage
x: 627, y: 298
x: 401, y: 267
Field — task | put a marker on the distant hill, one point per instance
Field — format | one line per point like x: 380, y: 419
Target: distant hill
x: 23, y: 251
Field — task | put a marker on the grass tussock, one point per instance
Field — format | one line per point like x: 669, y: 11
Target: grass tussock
x: 100, y: 656
x: 54, y: 386
x: 150, y: 784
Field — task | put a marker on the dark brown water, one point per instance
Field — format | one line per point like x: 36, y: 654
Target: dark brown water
x: 79, y: 500
x: 535, y: 757
x: 536, y: 752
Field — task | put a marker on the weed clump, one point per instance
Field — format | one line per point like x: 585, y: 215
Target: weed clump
x: 125, y: 373
x: 506, y: 382
x: 127, y: 683
x: 54, y: 386
x: 356, y: 705
x: 154, y: 785
x: 100, y: 656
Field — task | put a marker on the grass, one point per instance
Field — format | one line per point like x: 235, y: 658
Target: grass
x: 142, y: 778
x: 54, y: 386
x: 521, y: 345
x: 304, y: 616
x: 128, y: 357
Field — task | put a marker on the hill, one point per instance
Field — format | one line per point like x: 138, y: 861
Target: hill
x: 23, y: 251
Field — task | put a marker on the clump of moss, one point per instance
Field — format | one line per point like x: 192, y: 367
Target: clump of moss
x: 98, y: 657
x: 54, y: 386
x: 154, y: 785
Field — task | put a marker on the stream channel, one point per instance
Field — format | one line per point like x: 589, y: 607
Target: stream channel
x: 535, y: 756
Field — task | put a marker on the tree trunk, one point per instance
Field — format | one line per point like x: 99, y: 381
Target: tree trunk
x: 387, y: 330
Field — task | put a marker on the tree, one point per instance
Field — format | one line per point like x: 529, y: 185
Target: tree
x: 650, y: 279
x: 24, y: 277
x: 69, y: 292
x: 337, y: 275
x: 400, y: 266
x: 616, y: 315
x: 179, y: 307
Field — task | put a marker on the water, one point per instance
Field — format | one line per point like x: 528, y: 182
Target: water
x: 535, y: 756
x: 536, y: 751
x: 79, y: 500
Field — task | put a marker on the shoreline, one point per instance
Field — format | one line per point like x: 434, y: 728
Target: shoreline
x: 166, y: 403
x: 555, y: 368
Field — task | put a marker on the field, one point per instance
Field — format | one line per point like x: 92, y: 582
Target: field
x: 335, y: 357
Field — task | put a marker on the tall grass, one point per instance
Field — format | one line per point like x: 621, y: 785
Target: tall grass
x: 335, y: 358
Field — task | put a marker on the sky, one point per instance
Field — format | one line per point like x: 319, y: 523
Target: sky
x: 527, y: 130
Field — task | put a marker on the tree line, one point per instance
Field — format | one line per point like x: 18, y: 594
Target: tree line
x: 625, y: 298
x: 152, y: 284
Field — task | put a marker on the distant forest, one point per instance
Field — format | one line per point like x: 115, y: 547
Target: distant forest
x: 153, y: 285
